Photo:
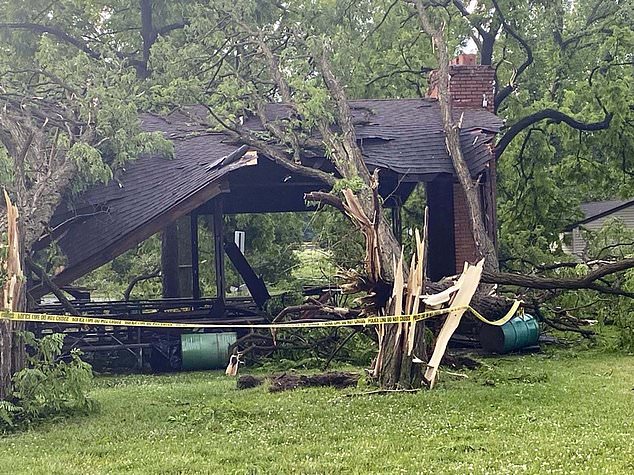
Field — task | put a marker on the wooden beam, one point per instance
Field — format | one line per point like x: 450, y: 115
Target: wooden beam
x: 169, y: 261
x: 185, y: 256
x: 219, y: 255
x: 255, y: 284
x: 195, y: 260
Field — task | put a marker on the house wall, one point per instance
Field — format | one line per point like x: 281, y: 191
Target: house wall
x: 578, y: 245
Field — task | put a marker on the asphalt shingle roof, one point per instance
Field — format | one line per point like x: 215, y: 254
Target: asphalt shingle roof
x: 404, y: 136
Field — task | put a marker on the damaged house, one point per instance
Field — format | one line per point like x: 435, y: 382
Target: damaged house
x: 212, y: 175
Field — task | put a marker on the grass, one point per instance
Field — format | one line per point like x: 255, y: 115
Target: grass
x: 561, y: 413
x: 315, y: 265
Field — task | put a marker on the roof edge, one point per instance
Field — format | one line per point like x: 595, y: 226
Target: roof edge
x: 624, y: 205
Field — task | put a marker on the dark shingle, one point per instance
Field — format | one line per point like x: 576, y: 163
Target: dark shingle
x: 593, y: 209
x: 404, y: 136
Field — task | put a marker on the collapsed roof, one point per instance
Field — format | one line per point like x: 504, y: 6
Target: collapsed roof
x: 402, y: 137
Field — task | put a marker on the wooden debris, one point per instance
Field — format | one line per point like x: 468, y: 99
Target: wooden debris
x: 468, y: 282
x: 234, y: 363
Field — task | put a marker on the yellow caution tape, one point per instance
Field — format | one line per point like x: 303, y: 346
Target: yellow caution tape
x: 375, y: 320
x: 501, y: 321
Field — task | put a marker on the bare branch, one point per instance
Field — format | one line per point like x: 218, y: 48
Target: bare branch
x: 512, y: 85
x: 554, y: 116
x: 139, y: 278
x: 423, y: 70
x: 56, y: 32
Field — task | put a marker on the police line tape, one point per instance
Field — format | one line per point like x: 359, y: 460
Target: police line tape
x: 362, y: 321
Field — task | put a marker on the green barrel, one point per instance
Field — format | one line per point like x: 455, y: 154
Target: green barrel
x: 206, y: 350
x: 519, y: 332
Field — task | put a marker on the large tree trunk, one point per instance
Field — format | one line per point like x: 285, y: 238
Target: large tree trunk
x: 483, y: 243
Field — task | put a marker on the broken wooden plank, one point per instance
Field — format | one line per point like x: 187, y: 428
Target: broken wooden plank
x: 469, y: 281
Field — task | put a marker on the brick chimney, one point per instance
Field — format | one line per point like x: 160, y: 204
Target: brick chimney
x: 471, y: 86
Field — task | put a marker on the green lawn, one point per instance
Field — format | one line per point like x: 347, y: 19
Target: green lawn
x: 532, y: 414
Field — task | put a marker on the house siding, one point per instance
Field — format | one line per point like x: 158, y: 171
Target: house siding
x: 578, y: 244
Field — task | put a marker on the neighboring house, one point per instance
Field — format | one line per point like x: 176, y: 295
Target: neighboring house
x: 596, y: 213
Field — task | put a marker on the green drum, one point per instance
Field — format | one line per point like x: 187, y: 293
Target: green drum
x: 206, y: 350
x: 519, y: 332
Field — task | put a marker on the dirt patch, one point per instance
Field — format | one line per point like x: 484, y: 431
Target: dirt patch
x: 289, y: 381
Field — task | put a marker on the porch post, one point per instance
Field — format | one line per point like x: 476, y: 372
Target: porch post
x: 169, y: 261
x: 441, y: 242
x: 195, y: 260
x: 219, y: 256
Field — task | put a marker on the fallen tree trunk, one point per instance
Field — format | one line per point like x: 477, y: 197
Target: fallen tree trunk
x: 554, y: 283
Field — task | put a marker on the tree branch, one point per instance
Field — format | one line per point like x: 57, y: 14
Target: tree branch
x: 136, y: 280
x: 554, y: 116
x: 55, y: 31
x: 325, y: 198
x: 512, y: 85
x: 421, y: 71
x: 546, y: 283
x: 46, y: 280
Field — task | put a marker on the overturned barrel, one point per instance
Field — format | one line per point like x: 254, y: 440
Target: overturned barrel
x: 519, y: 332
x: 206, y: 350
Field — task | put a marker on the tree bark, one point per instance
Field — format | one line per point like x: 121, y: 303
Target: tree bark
x: 483, y: 243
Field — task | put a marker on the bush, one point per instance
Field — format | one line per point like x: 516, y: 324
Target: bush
x: 48, y: 385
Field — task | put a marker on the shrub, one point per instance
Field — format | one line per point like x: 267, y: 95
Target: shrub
x: 48, y: 385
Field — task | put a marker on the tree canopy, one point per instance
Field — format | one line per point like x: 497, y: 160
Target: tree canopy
x: 75, y: 74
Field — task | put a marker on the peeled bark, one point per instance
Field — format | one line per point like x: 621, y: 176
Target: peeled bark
x: 12, y: 354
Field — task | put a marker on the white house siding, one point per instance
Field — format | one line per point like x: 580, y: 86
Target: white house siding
x: 577, y: 244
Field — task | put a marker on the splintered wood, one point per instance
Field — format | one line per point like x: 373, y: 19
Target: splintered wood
x: 408, y: 298
x: 467, y: 286
x: 12, y: 267
x: 369, y: 227
x: 11, y: 353
x: 393, y: 366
